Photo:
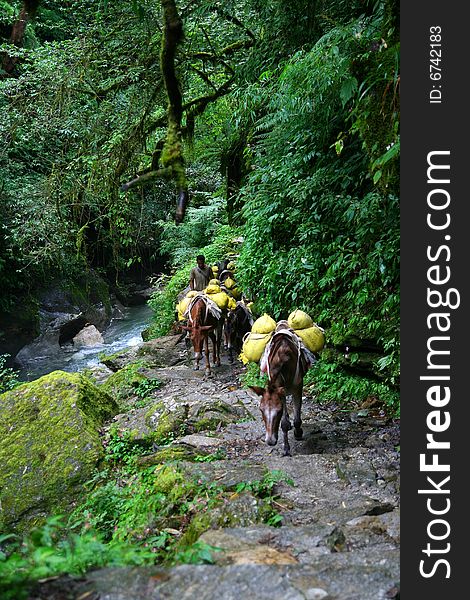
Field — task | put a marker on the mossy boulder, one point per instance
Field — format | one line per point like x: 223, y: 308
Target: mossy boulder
x: 49, y: 445
x: 171, y: 419
x: 166, y: 351
x: 172, y: 453
x: 167, y: 423
x: 122, y: 385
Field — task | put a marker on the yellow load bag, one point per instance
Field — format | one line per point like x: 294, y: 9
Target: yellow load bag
x: 264, y: 324
x: 229, y: 283
x: 221, y: 299
x: 212, y: 288
x: 181, y: 307
x: 298, y: 319
x: 236, y: 293
x: 184, y: 303
x: 253, y: 346
x: 313, y: 337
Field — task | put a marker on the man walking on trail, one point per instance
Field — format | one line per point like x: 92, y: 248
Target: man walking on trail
x: 200, y: 276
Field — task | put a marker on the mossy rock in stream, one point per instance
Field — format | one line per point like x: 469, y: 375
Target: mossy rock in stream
x: 49, y: 445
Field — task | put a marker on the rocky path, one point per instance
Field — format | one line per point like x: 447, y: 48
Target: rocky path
x: 339, y: 535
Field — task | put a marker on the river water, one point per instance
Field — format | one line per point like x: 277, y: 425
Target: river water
x: 121, y: 333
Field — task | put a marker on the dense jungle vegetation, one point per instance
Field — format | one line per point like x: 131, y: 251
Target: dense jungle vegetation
x: 137, y: 134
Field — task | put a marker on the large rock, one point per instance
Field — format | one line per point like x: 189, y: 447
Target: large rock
x: 166, y: 351
x: 88, y: 336
x: 49, y: 445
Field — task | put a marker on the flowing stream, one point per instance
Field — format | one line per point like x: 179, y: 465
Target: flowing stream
x: 121, y: 333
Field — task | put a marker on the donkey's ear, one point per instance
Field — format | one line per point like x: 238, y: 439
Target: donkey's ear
x: 185, y: 327
x: 259, y: 391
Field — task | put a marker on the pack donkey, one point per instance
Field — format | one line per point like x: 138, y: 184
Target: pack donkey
x: 237, y: 324
x: 286, y: 360
x: 204, y: 321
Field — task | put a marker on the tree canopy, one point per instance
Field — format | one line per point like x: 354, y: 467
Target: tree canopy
x: 136, y: 133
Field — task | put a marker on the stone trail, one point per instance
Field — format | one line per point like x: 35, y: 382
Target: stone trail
x: 340, y: 532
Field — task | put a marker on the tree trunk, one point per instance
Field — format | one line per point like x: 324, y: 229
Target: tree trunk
x: 28, y: 12
x: 172, y: 154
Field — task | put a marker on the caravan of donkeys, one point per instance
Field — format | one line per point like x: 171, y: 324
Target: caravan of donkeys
x: 213, y: 307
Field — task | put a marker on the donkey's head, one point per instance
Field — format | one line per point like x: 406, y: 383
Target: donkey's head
x: 273, y: 399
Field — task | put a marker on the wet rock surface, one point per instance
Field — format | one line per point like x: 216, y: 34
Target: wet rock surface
x: 340, y: 532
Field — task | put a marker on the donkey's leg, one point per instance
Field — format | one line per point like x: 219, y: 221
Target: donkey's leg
x: 217, y: 340
x: 228, y: 335
x: 206, y: 351
x: 297, y: 398
x: 286, y: 426
x: 197, y: 358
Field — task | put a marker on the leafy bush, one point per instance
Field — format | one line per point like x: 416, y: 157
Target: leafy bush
x: 8, y: 376
x: 53, y: 550
x: 321, y: 227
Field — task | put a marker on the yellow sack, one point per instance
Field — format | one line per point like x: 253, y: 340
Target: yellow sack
x: 232, y: 303
x: 264, y: 324
x: 298, y: 319
x: 313, y: 337
x: 229, y: 283
x: 221, y: 299
x: 214, y: 282
x: 181, y: 307
x: 236, y: 293
x: 253, y: 346
x: 212, y: 288
x: 184, y: 303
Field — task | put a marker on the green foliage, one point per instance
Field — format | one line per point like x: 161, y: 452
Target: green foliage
x: 8, y: 376
x: 121, y: 447
x: 219, y: 454
x: 164, y: 301
x: 253, y: 376
x: 145, y: 387
x: 53, y: 550
x: 328, y: 381
x: 265, y: 489
x: 198, y: 553
x: 320, y: 234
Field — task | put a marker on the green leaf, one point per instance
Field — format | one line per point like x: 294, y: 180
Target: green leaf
x: 348, y: 89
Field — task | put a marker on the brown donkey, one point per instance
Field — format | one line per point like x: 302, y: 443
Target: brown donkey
x: 202, y: 325
x: 286, y: 363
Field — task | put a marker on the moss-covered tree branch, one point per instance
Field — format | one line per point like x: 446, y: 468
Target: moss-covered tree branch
x: 172, y: 154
